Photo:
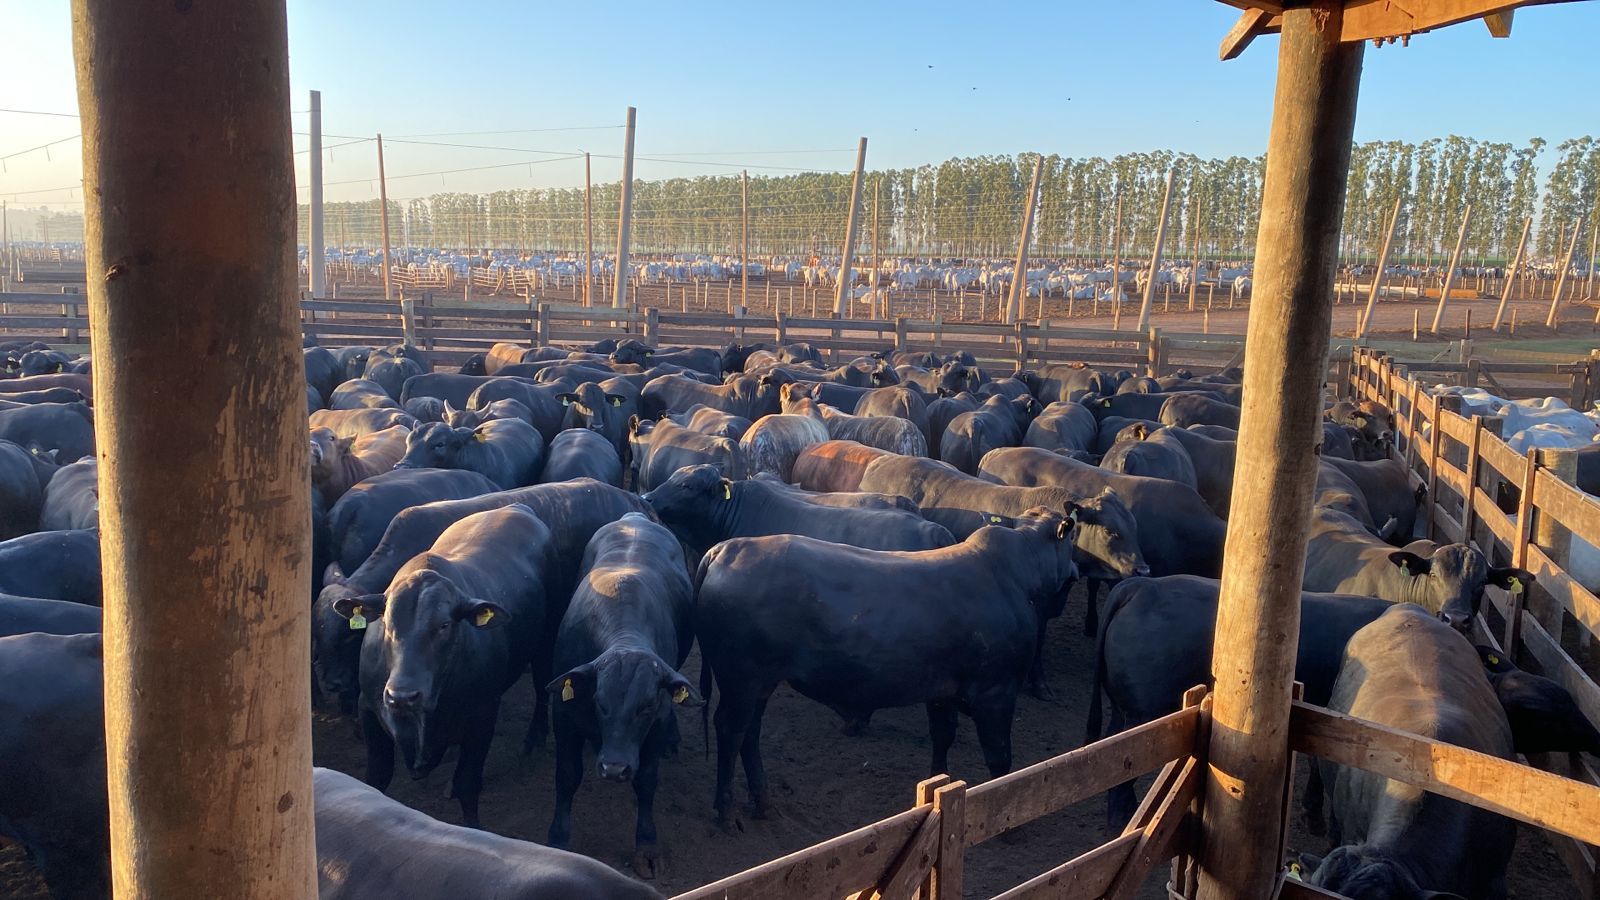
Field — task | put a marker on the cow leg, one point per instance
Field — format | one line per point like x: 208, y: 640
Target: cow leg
x: 468, y: 779
x: 1091, y: 609
x: 1311, y: 803
x: 755, y: 774
x: 732, y: 718
x: 1120, y: 799
x: 1036, y: 681
x: 993, y: 721
x: 646, y: 855
x: 569, y: 774
x: 942, y: 731
x: 541, y: 697
x: 380, y: 751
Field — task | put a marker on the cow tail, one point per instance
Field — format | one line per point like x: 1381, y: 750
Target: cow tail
x: 1092, y: 731
x: 707, y: 683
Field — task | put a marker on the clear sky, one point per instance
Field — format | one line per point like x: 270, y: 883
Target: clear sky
x: 757, y: 83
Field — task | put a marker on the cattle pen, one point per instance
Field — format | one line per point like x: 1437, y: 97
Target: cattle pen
x: 188, y: 176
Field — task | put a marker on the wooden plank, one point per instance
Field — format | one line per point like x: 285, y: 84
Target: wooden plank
x: 1573, y: 509
x: 1565, y: 589
x: 1157, y: 839
x: 1295, y: 889
x: 1454, y: 478
x: 1554, y: 664
x: 49, y: 322
x: 1251, y: 25
x: 1447, y: 529
x: 1498, y: 454
x: 1086, y: 875
x: 1490, y: 517
x: 1456, y: 426
x: 1519, y: 792
x: 833, y: 868
x: 1016, y: 799
x: 914, y: 862
x: 373, y: 307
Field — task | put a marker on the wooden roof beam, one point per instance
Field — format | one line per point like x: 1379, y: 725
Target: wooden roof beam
x: 1252, y: 24
x: 1368, y: 20
x: 1271, y: 6
x: 1500, y: 23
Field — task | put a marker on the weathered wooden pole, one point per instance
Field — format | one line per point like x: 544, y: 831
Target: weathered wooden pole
x: 588, y: 232
x: 1019, y: 275
x: 1155, y: 255
x: 1377, y: 276
x: 1258, y: 620
x: 1561, y: 276
x: 1194, y: 270
x: 1450, y: 273
x: 847, y: 255
x: 619, y: 284
x: 1116, y: 267
x: 744, y: 239
x: 877, y: 195
x: 383, y: 214
x: 1511, y: 274
x: 190, y: 214
x: 316, y: 244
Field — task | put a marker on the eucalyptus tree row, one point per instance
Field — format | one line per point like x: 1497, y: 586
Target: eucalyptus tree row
x: 970, y: 207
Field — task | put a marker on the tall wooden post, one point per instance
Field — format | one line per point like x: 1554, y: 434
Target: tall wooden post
x: 1450, y: 273
x: 619, y: 283
x: 1194, y: 265
x: 744, y: 239
x: 1019, y: 277
x: 1155, y: 255
x: 1511, y: 274
x: 1258, y: 620
x: 588, y: 232
x: 316, y: 244
x: 1561, y: 276
x: 877, y: 195
x: 1383, y: 262
x: 1594, y: 246
x: 190, y: 214
x: 383, y: 214
x: 848, y: 253
x: 1116, y: 268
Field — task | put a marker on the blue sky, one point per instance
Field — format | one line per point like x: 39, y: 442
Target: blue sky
x: 754, y: 83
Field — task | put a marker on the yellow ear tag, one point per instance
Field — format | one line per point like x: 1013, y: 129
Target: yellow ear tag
x: 1295, y: 871
x: 479, y: 436
x: 483, y: 617
x: 358, y: 622
x: 680, y: 695
x: 617, y: 402
x: 1403, y: 569
x: 1493, y: 660
x: 1516, y: 585
x: 567, y: 693
x: 994, y: 520
x: 727, y: 491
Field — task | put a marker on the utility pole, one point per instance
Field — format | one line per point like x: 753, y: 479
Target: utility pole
x: 1511, y: 274
x: 316, y: 244
x: 847, y: 255
x: 1116, y: 268
x: 383, y: 210
x: 744, y: 239
x: 1155, y: 255
x: 1450, y: 273
x: 588, y: 233
x: 1019, y: 275
x: 619, y: 284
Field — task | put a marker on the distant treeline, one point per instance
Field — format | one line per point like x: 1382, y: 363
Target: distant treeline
x: 973, y: 206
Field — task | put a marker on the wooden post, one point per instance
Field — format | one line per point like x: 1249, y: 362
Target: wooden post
x: 408, y: 320
x: 588, y: 233
x: 1116, y: 267
x: 619, y: 288
x: 1594, y: 247
x: 1258, y: 620
x: 877, y: 196
x: 1561, y: 276
x: 383, y: 213
x: 848, y: 253
x: 1511, y: 274
x: 190, y: 214
x: 1194, y: 271
x: 316, y: 244
x: 1383, y: 262
x: 1155, y: 254
x: 744, y: 239
x: 1019, y: 275
x: 1450, y: 273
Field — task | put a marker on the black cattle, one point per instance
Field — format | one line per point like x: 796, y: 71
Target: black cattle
x: 425, y: 409
x: 392, y: 374
x: 66, y: 428
x: 703, y: 508
x: 577, y: 373
x: 845, y: 499
x: 590, y: 407
x: 750, y: 396
x: 999, y: 422
x: 357, y: 422
x: 922, y: 359
x: 1140, y: 386
x: 897, y: 401
x: 54, y: 565
x: 1213, y: 461
x: 1152, y: 453
x: 1385, y: 486
x: 657, y: 449
x: 1445, y: 579
x: 452, y: 387
x: 356, y: 522
x: 700, y: 359
x: 893, y: 433
x: 952, y: 628
x: 1371, y: 424
x: 497, y: 409
x: 1195, y: 408
x: 476, y: 364
x: 81, y: 383
x: 361, y: 393
x: 1126, y: 406
x: 1543, y: 715
x: 1062, y: 426
x: 574, y: 510
x: 43, y: 362
x: 1011, y: 388
x: 712, y: 422
x: 314, y: 401
x: 1066, y: 382
x: 72, y: 498
x: 540, y: 399
x: 581, y: 453
x: 1171, y: 621
x: 401, y: 351
x: 1408, y: 671
x: 455, y: 629
x: 53, y: 759
x: 1111, y: 428
x: 352, y: 361
x: 621, y: 641
x: 25, y: 615
x: 370, y: 847
x: 863, y: 372
x: 508, y: 452
x: 24, y: 475
x: 45, y: 395
x: 942, y: 411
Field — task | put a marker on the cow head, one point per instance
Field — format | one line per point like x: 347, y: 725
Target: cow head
x: 589, y: 406
x: 1107, y: 539
x: 434, y: 446
x: 883, y: 375
x: 335, y: 645
x: 1365, y: 871
x: 631, y: 352
x: 327, y: 449
x: 476, y: 364
x: 1450, y: 581
x: 688, y: 500
x: 426, y: 409
x: 955, y: 377
x: 630, y: 690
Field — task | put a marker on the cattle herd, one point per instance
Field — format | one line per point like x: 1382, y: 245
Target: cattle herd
x: 894, y: 531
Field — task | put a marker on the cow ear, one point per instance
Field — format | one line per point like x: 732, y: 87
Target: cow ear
x: 482, y: 613
x: 1410, y: 563
x: 360, y: 609
x: 1064, y: 529
x: 1514, y: 580
x: 577, y: 682
x: 1140, y: 432
x: 681, y: 691
x: 333, y: 574
x: 1072, y: 510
